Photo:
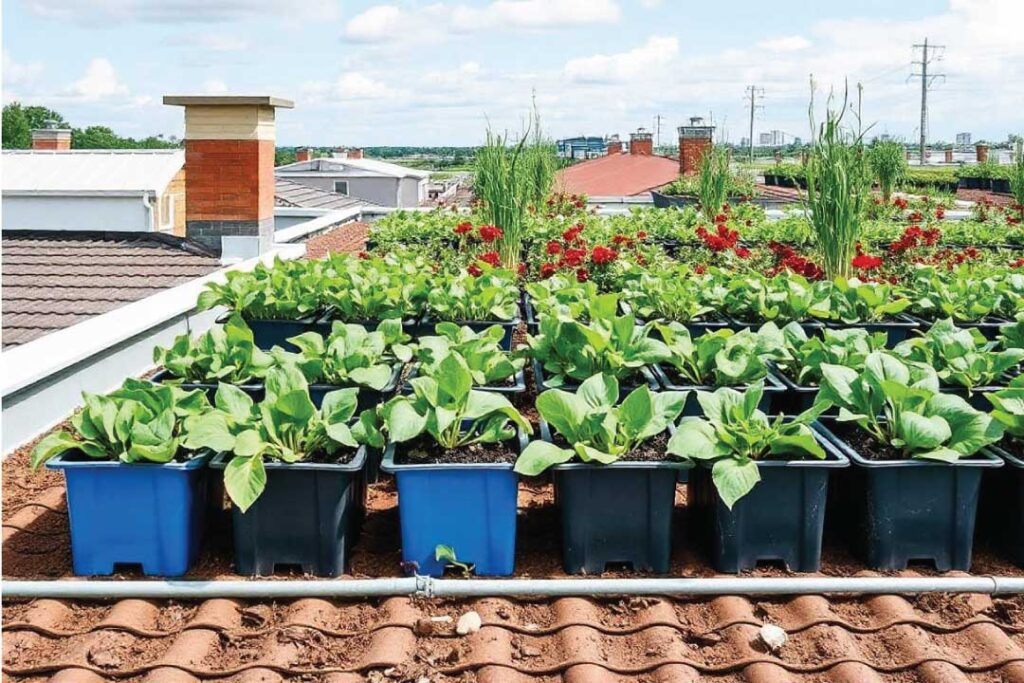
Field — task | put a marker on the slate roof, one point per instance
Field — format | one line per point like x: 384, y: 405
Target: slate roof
x: 52, y: 280
x: 618, y: 175
x: 290, y: 193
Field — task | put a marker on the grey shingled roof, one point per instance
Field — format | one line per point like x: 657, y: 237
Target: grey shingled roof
x: 52, y: 280
x: 291, y: 193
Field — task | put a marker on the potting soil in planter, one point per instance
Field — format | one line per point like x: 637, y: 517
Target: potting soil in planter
x: 464, y: 498
x: 134, y: 514
x: 307, y: 516
x: 904, y: 510
x: 782, y: 517
x: 619, y: 514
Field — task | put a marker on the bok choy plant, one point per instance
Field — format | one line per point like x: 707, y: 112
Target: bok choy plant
x: 221, y: 354
x: 484, y: 357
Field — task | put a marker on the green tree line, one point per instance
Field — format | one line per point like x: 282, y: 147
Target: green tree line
x: 20, y: 120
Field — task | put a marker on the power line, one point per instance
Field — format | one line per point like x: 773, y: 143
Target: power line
x: 926, y: 83
x: 754, y: 94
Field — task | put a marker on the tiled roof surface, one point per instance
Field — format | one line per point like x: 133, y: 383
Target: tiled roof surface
x: 617, y: 175
x: 348, y: 238
x: 290, y: 193
x: 54, y: 280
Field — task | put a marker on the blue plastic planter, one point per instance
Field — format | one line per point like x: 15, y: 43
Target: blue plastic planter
x: 146, y: 514
x: 470, y: 507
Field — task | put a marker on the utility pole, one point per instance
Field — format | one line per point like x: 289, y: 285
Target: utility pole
x: 753, y: 93
x: 926, y: 82
x: 657, y: 131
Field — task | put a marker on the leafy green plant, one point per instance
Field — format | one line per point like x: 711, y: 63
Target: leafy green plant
x: 140, y: 422
x: 395, y: 286
x: 783, y: 298
x: 610, y: 343
x: 491, y: 296
x: 719, y: 358
x: 961, y: 357
x: 221, y: 354
x: 286, y: 290
x: 284, y: 426
x: 447, y: 408
x: 1008, y: 408
x: 674, y: 295
x: 1011, y: 335
x: 899, y: 404
x: 889, y: 164
x: 350, y: 355
x: 446, y: 554
x: 838, y: 188
x: 596, y: 427
x: 1017, y: 183
x: 560, y: 295
x: 734, y: 435
x: 959, y: 294
x: 484, y: 357
x: 803, y: 356
x: 856, y: 301
x: 713, y: 182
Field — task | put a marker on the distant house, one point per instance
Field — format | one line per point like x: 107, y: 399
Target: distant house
x: 583, y: 147
x: 370, y: 180
x: 110, y: 190
x: 619, y: 174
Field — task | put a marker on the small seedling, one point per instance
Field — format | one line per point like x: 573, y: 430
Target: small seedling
x: 446, y: 554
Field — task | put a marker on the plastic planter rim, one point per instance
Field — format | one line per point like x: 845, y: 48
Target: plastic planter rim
x: 220, y: 461
x: 304, y: 320
x: 545, y: 434
x: 61, y: 462
x: 771, y: 384
x: 899, y: 320
x: 983, y: 458
x: 1009, y: 458
x: 644, y: 371
x: 164, y: 376
x: 518, y: 387
x: 389, y: 465
x: 396, y: 372
x: 326, y: 319
x: 834, y: 456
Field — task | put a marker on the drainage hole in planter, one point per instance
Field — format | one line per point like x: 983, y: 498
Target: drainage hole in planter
x: 133, y: 568
x: 771, y: 563
x: 618, y: 566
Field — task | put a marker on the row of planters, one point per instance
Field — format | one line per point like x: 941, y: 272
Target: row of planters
x: 986, y: 176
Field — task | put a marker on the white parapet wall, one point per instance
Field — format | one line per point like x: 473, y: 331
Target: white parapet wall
x: 41, y: 382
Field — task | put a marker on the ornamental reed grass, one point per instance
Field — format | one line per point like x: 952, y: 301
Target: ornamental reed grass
x: 889, y: 164
x: 838, y: 185
x: 511, y: 178
x: 713, y: 180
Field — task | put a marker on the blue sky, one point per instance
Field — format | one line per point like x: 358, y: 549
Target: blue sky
x: 436, y: 72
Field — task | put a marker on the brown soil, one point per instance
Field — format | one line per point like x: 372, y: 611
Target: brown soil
x: 652, y: 450
x: 424, y: 450
x: 867, y: 446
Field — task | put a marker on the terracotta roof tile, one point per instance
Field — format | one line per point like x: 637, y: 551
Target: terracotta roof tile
x: 618, y: 175
x: 54, y: 280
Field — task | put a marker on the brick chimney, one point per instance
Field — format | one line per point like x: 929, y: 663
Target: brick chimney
x: 614, y: 145
x: 51, y: 137
x: 303, y: 154
x: 694, y: 142
x: 641, y: 142
x: 229, y: 170
x: 356, y: 153
x: 949, y: 155
x: 982, y: 151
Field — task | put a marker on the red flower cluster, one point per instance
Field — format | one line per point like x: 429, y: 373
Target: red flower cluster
x: 721, y: 240
x: 603, y: 255
x: 363, y: 255
x: 492, y: 258
x: 940, y: 212
x: 951, y: 259
x: 915, y: 217
x: 914, y: 237
x: 1018, y: 263
x: 463, y: 228
x: 554, y: 248
x: 573, y: 233
x: 490, y: 233
x: 866, y: 262
x: 900, y: 203
x: 474, y: 270
x: 786, y: 259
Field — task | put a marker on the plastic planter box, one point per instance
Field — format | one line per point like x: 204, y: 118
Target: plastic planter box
x: 1003, y: 505
x: 773, y: 392
x: 146, y: 514
x: 517, y: 386
x: 906, y: 510
x: 323, y: 325
x: 254, y: 389
x: 617, y: 514
x: 367, y: 397
x: 782, y: 518
x: 796, y: 398
x: 896, y: 330
x: 307, y: 516
x: 470, y: 507
x: 270, y: 333
x: 626, y: 385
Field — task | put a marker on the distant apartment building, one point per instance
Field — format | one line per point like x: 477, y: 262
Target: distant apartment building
x: 963, y: 138
x: 775, y: 138
x: 582, y: 147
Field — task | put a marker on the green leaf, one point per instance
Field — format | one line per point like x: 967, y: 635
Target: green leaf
x: 209, y: 431
x: 50, y: 446
x: 233, y: 401
x: 540, y: 455
x: 696, y: 438
x: 923, y: 433
x: 374, y: 377
x: 248, y: 443
x: 403, y: 422
x: 636, y: 410
x: 599, y: 391
x: 244, y: 480
x: 734, y: 479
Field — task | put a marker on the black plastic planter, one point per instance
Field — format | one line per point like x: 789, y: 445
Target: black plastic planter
x: 517, y: 385
x: 255, y: 389
x: 1001, y: 185
x: 796, y: 398
x: 1003, y: 505
x: 907, y: 510
x: 896, y: 330
x: 617, y: 514
x: 770, y: 401
x: 367, y: 397
x: 410, y: 326
x: 782, y: 518
x: 267, y: 334
x: 976, y: 397
x: 626, y: 385
x: 307, y: 516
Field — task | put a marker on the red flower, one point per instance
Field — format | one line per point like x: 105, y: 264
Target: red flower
x: 582, y: 275
x: 574, y: 257
x: 463, y: 228
x: 602, y: 255
x: 489, y: 233
x: 699, y: 269
x: 547, y: 270
x: 1018, y: 263
x: 474, y: 270
x: 554, y: 248
x: 572, y: 233
x: 579, y: 204
x: 641, y: 235
x: 620, y: 239
x: 491, y: 257
x: 940, y: 213
x: 866, y: 262
x: 900, y: 203
x: 742, y: 252
x: 363, y: 255
x: 915, y: 217
x: 521, y: 269
x: 721, y: 218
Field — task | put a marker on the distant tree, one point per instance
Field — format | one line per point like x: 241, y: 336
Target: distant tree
x: 94, y: 137
x: 39, y: 117
x: 17, y: 133
x: 284, y: 155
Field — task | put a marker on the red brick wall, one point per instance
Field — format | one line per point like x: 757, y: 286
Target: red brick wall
x: 982, y: 152
x: 51, y: 143
x: 691, y: 150
x: 303, y: 154
x: 229, y: 179
x: 645, y: 147
x: 615, y: 147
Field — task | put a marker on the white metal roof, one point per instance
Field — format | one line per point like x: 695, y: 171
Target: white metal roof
x: 371, y: 166
x: 89, y: 171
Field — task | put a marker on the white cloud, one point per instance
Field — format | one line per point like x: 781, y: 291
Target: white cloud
x: 654, y: 54
x: 394, y: 24
x: 98, y: 82
x: 353, y: 85
x: 214, y: 42
x: 785, y: 44
x: 181, y: 11
x: 17, y: 73
x: 214, y: 86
